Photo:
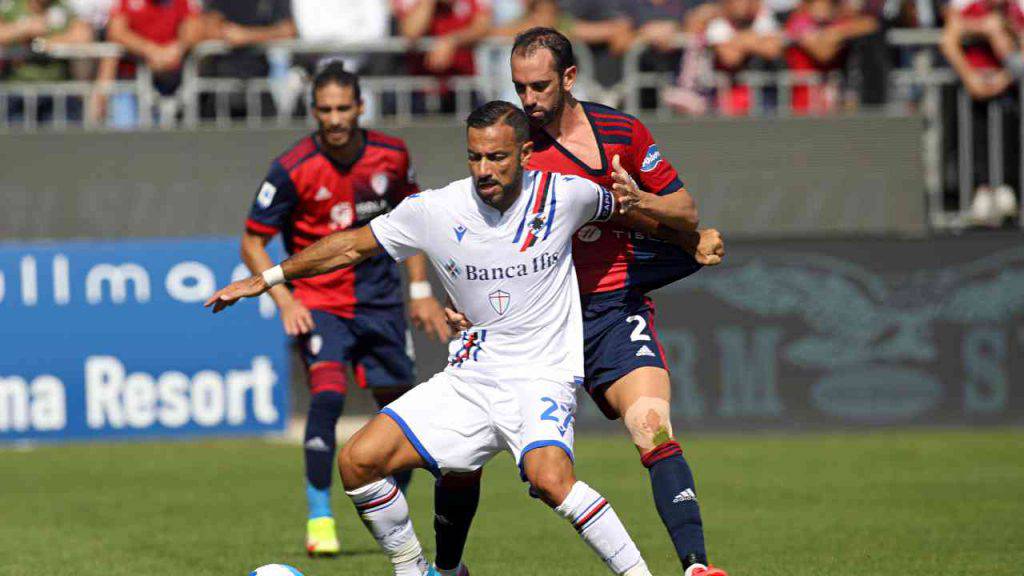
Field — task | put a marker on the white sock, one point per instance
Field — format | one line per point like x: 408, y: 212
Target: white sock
x: 385, y: 513
x: 601, y: 529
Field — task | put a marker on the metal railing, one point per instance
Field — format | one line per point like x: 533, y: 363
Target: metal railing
x: 918, y: 87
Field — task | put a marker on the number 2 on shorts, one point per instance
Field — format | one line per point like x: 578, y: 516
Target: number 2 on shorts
x: 637, y: 335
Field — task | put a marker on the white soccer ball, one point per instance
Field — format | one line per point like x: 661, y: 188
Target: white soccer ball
x: 275, y: 570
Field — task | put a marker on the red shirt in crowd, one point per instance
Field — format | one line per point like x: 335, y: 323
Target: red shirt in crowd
x: 978, y: 53
x: 810, y: 95
x: 156, y: 20
x: 449, y: 16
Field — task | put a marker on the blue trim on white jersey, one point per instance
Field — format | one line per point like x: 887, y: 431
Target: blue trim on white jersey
x: 431, y: 463
x: 551, y: 213
x: 542, y: 444
x: 526, y: 212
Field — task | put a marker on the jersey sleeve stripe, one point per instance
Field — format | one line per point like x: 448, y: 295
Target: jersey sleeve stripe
x: 304, y: 149
x: 522, y: 223
x: 538, y: 209
x: 615, y: 130
x: 387, y: 145
x: 259, y: 228
x: 609, y: 123
x: 551, y: 211
x: 616, y: 139
x: 611, y: 115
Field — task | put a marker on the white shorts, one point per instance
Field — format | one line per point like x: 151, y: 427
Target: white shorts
x: 458, y: 425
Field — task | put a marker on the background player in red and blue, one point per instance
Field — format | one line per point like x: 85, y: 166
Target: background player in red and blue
x: 337, y: 178
x: 625, y: 367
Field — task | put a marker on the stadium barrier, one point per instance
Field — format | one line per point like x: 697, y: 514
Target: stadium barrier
x: 764, y: 177
x: 108, y: 339
x: 919, y: 87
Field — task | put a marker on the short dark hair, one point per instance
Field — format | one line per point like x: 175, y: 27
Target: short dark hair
x: 333, y: 72
x: 495, y: 111
x: 540, y: 37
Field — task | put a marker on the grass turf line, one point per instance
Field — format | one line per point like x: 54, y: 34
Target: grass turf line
x: 909, y: 502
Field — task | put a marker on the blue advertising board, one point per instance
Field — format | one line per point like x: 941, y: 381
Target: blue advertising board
x: 109, y: 339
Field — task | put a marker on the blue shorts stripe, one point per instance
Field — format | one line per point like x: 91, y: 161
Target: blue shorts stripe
x: 431, y: 463
x: 542, y: 444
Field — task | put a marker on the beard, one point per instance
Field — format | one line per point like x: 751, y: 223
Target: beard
x: 548, y: 117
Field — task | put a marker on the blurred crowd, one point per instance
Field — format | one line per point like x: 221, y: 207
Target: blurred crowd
x: 833, y: 54
x: 834, y: 50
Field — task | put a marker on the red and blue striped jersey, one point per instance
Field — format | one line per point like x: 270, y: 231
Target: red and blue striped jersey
x: 307, y: 196
x: 609, y: 257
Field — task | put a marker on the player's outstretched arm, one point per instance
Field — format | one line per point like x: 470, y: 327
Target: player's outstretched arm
x: 328, y: 254
x: 677, y: 210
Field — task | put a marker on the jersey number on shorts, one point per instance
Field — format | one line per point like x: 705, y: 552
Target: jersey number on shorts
x: 563, y: 425
x: 637, y: 335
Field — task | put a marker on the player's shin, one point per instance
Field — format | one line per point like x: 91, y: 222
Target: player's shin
x: 385, y: 512
x: 455, y: 501
x: 601, y: 529
x: 676, y: 500
x: 324, y: 410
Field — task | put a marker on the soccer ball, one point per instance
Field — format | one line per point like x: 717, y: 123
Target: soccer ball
x: 275, y: 570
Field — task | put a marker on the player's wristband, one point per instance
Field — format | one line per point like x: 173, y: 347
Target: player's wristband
x: 419, y: 290
x: 274, y: 276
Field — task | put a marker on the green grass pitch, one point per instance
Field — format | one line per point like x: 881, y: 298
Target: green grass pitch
x: 894, y: 502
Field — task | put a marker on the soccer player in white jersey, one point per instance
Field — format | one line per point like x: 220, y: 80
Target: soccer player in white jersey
x: 501, y: 242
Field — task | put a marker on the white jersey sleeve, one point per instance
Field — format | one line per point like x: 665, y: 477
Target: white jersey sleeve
x: 589, y: 202
x: 403, y: 231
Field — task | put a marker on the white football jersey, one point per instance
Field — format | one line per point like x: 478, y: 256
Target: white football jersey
x: 510, y: 273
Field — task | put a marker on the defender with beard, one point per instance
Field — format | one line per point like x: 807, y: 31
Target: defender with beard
x: 340, y: 177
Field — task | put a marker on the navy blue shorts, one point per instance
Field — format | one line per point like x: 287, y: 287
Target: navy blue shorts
x: 376, y: 344
x: 618, y: 337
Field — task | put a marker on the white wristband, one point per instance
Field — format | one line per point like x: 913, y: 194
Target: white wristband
x: 274, y: 276
x: 419, y: 290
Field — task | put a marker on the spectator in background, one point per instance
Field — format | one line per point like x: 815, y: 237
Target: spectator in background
x: 657, y: 24
x: 514, y: 16
x: 745, y: 32
x: 243, y: 24
x: 158, y: 32
x: 981, y: 40
x: 349, y: 21
x: 820, y: 34
x: 342, y: 21
x: 22, y: 21
x: 456, y: 25
x: 510, y: 17
x: 605, y: 27
x: 96, y: 13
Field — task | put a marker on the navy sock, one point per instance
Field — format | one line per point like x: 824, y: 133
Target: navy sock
x: 324, y: 410
x: 455, y: 502
x: 676, y: 500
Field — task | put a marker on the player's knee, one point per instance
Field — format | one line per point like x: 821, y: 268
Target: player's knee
x: 358, y: 465
x: 551, y: 485
x: 648, y: 421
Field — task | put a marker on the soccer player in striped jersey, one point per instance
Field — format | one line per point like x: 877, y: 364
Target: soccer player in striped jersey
x: 626, y: 372
x: 340, y: 177
x: 501, y: 241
